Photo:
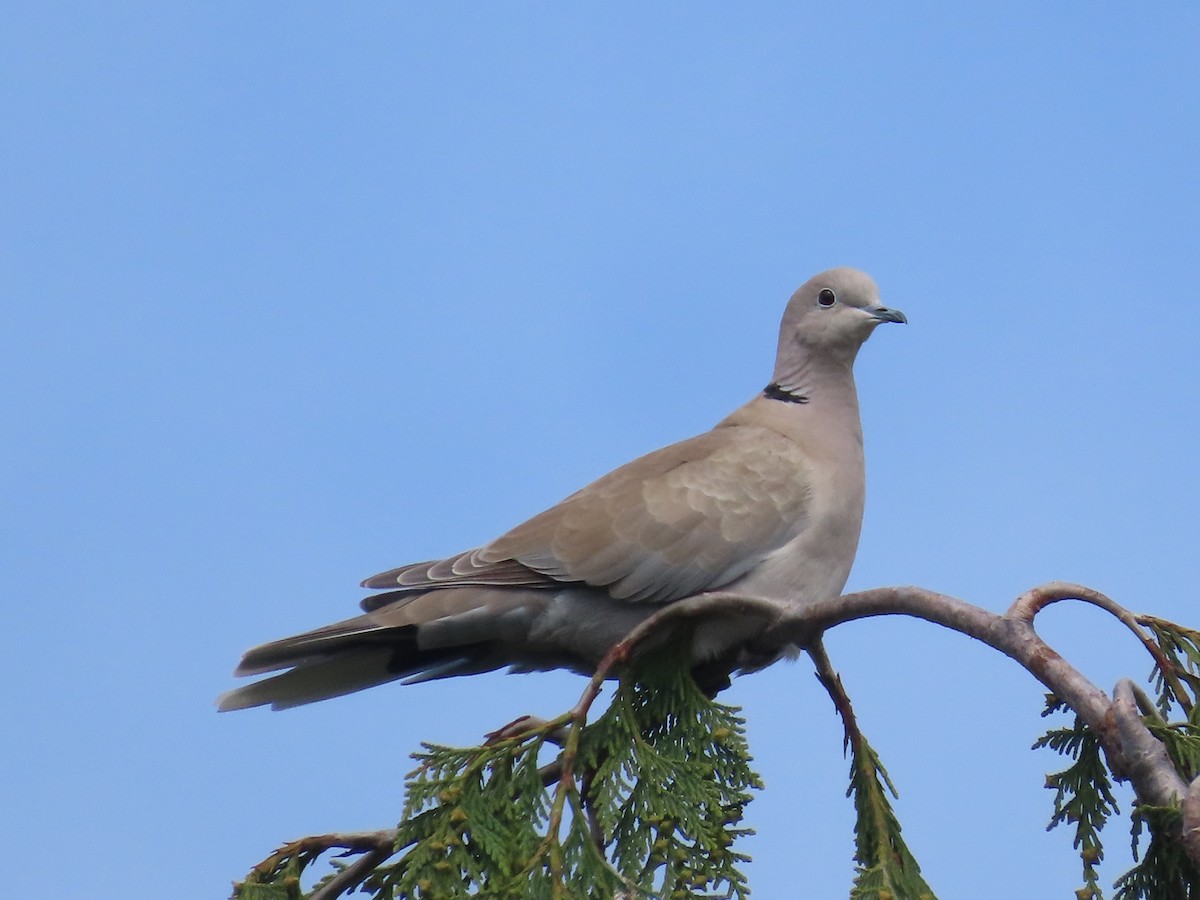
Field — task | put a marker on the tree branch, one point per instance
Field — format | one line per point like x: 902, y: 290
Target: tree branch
x: 1147, y: 764
x: 1132, y: 750
x: 1191, y: 822
x: 354, y: 874
x: 1012, y: 634
x: 1033, y: 601
x: 376, y: 847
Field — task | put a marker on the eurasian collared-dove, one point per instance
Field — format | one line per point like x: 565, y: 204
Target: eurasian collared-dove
x: 768, y: 504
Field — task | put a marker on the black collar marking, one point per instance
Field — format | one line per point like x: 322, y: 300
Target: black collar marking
x: 774, y: 392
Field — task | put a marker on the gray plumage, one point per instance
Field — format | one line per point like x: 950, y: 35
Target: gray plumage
x: 767, y: 504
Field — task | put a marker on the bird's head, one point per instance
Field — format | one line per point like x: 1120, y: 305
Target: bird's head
x: 831, y: 315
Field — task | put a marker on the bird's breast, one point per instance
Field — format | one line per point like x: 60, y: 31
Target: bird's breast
x: 814, y: 561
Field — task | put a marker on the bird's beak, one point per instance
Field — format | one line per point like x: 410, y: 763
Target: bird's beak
x: 883, y: 314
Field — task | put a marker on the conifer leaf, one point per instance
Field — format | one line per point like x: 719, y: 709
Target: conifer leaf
x: 1164, y: 872
x: 886, y: 868
x: 1180, y: 646
x: 1083, y: 794
x: 651, y: 806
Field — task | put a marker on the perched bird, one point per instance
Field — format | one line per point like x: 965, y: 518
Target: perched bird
x: 767, y: 504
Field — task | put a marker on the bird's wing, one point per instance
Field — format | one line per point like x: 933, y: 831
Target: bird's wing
x: 690, y: 517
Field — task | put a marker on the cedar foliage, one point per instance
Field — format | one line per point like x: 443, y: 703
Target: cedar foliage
x: 648, y: 801
x: 1083, y: 796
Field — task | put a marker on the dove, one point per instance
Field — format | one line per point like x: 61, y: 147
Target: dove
x: 768, y: 504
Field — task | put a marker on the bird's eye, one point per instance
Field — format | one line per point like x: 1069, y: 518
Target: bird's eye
x: 827, y: 297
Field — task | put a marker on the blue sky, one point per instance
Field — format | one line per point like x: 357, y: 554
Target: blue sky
x: 296, y: 293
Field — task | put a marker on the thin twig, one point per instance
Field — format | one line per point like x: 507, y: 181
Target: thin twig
x: 1170, y: 671
x: 376, y: 847
x: 710, y: 604
x: 551, y: 772
x: 354, y: 874
x: 1146, y: 705
x: 524, y: 725
x: 832, y: 682
x: 595, y: 829
x: 350, y: 841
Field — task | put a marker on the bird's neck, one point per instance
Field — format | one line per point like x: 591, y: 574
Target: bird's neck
x: 810, y: 379
x: 825, y: 422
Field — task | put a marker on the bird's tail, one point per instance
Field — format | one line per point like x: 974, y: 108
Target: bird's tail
x: 436, y: 634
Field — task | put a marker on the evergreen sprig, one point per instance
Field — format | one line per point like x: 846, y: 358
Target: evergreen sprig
x: 669, y: 783
x: 647, y: 801
x: 662, y: 778
x: 1164, y: 872
x: 1182, y: 740
x: 1083, y: 793
x: 473, y: 818
x: 1083, y: 796
x: 886, y: 869
x: 278, y: 876
x: 1180, y: 682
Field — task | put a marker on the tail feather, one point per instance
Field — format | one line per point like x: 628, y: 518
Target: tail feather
x: 311, y: 681
x: 354, y: 664
x: 438, y: 634
x: 313, y: 646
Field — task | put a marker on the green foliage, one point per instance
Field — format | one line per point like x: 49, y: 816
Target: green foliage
x: 278, y: 876
x: 472, y: 819
x: 1182, y: 740
x: 1083, y: 793
x: 1178, y: 683
x: 662, y: 778
x: 886, y: 869
x: 284, y: 889
x: 646, y: 801
x: 1164, y: 873
x: 670, y: 784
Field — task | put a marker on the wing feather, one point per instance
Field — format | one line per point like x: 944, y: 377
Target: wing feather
x: 690, y: 517
x: 693, y: 516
